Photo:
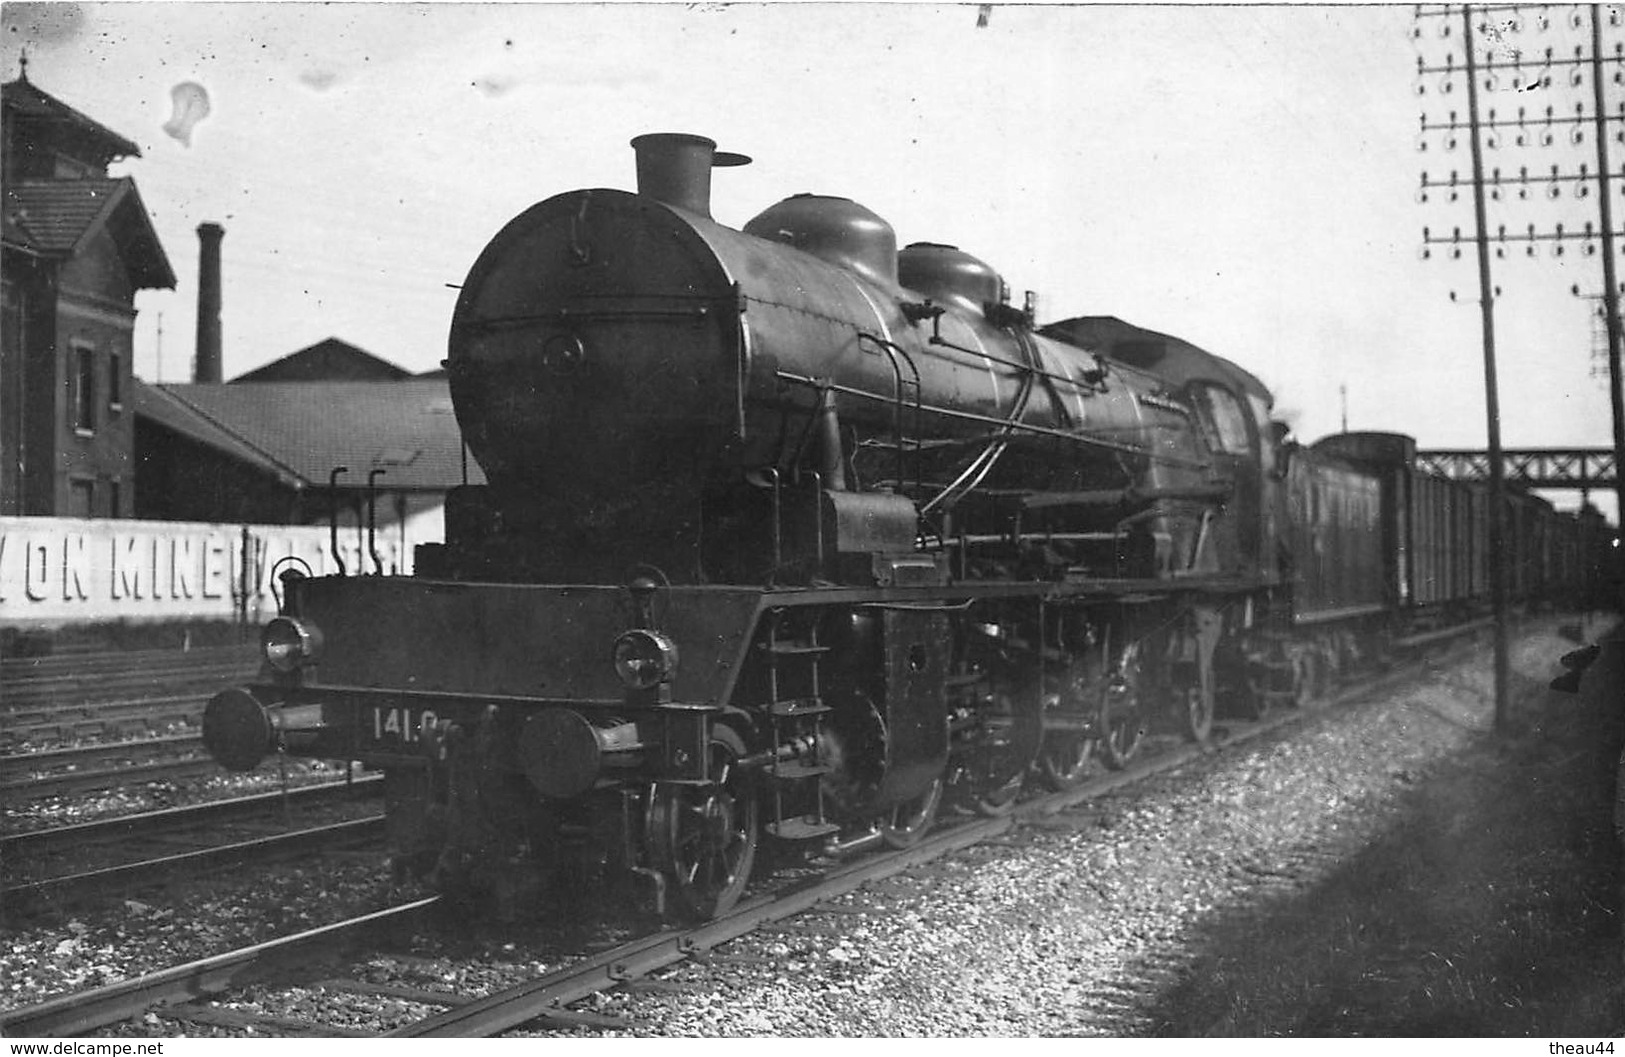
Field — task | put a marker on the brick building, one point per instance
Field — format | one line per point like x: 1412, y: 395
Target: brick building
x: 77, y: 246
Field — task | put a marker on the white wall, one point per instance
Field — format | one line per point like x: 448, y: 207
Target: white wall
x: 57, y: 571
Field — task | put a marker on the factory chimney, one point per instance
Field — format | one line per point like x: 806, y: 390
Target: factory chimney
x: 207, y: 367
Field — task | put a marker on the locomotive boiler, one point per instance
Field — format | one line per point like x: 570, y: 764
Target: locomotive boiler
x: 788, y: 534
x: 645, y: 386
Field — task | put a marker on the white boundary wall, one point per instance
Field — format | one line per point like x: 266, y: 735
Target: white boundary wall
x: 56, y: 571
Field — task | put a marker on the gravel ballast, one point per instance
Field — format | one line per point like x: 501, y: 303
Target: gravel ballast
x: 1082, y: 926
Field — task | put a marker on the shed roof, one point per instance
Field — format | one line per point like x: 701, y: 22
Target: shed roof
x: 156, y: 404
x: 329, y: 360
x: 407, y: 429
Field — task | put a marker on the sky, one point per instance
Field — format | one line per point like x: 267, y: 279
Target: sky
x: 1244, y: 177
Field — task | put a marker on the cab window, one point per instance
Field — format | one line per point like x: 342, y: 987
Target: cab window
x: 1223, y: 420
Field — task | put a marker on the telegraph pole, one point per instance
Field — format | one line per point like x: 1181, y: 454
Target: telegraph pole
x: 1529, y: 126
x: 1610, y: 284
x: 1492, y: 398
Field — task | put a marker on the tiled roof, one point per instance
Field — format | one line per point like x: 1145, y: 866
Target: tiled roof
x: 157, y: 404
x: 22, y: 97
x: 58, y: 213
x: 56, y: 216
x: 407, y: 429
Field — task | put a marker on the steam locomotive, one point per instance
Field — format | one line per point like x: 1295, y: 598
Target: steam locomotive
x: 793, y: 535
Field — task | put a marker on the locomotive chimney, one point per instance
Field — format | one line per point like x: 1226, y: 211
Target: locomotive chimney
x: 207, y: 367
x: 675, y: 168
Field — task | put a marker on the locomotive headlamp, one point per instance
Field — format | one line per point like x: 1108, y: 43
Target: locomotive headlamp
x: 644, y: 659
x: 289, y: 643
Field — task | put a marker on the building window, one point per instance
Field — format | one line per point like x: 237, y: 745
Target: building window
x: 115, y: 382
x: 113, y: 496
x: 84, y: 416
x: 81, y: 498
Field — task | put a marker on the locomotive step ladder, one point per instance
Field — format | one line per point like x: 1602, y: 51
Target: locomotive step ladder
x: 799, y: 717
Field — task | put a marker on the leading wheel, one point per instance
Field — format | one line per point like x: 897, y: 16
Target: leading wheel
x: 909, y: 821
x: 704, y: 836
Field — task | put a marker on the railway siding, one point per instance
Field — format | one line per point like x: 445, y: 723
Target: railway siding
x: 87, y: 734
x: 63, y: 719
x: 60, y: 699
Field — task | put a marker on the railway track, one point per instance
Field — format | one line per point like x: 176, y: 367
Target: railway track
x: 79, y: 723
x: 105, y: 765
x: 546, y: 1000
x: 61, y: 699
x: 63, y: 864
x: 78, y: 1013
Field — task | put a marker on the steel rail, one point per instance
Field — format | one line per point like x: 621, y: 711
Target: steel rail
x: 109, y: 719
x: 122, y: 660
x: 36, y: 786
x: 34, y: 701
x: 34, y: 686
x: 35, y: 841
x: 15, y: 897
x: 87, y: 1010
x: 96, y: 752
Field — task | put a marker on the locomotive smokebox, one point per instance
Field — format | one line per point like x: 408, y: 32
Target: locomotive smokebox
x: 675, y: 168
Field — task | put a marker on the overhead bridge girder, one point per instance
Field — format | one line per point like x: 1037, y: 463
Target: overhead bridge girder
x: 1583, y: 468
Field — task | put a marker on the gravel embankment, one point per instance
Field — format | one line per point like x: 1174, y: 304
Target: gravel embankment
x: 1075, y: 929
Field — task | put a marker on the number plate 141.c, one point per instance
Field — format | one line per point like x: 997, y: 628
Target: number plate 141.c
x: 399, y: 726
